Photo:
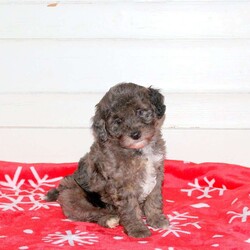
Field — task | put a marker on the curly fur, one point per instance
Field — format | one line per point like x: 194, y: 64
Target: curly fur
x: 120, y: 179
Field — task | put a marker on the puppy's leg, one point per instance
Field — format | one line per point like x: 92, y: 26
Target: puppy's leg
x: 131, y: 218
x: 153, y: 209
x: 76, y: 205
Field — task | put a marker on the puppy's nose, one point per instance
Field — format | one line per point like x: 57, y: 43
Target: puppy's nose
x: 135, y: 135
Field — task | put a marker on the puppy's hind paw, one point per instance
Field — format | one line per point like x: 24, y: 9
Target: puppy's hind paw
x: 109, y: 220
x: 113, y: 222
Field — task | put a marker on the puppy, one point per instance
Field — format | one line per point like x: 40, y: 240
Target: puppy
x: 119, y: 181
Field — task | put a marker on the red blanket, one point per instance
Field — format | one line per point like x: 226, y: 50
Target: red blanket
x: 208, y: 206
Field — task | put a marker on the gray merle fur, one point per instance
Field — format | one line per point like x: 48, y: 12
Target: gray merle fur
x: 120, y: 180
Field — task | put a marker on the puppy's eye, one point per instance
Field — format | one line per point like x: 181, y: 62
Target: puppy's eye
x: 144, y: 113
x: 149, y: 114
x: 140, y: 112
x: 118, y: 121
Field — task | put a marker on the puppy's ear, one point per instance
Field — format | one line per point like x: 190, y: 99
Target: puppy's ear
x: 100, y: 131
x: 98, y: 127
x: 157, y: 99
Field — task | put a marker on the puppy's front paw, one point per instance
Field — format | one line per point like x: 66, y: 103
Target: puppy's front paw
x: 159, y: 222
x: 139, y: 232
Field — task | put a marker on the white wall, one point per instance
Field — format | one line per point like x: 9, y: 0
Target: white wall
x: 57, y: 58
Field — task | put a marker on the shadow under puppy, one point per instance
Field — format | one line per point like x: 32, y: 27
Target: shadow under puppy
x: 120, y: 179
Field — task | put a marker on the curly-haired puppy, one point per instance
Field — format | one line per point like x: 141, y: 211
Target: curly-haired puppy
x: 120, y: 179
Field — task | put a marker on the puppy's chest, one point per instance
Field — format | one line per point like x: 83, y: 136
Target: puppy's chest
x: 149, y: 175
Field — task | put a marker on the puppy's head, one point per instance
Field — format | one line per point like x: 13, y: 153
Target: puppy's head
x: 130, y: 115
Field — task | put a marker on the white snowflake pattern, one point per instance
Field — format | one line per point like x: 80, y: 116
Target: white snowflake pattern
x: 13, y: 184
x: 206, y: 191
x: 12, y: 203
x: 15, y: 196
x: 245, y: 213
x: 78, y: 238
x: 41, y: 181
x: 176, y: 226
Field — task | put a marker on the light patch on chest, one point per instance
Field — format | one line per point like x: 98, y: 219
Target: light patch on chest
x: 149, y: 181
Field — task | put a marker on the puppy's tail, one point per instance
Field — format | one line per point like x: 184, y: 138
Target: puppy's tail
x: 52, y: 195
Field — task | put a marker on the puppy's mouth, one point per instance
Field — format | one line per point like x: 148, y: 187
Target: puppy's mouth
x: 138, y: 144
x: 127, y: 142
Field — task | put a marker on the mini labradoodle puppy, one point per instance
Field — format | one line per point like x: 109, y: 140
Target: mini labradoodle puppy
x: 120, y: 179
